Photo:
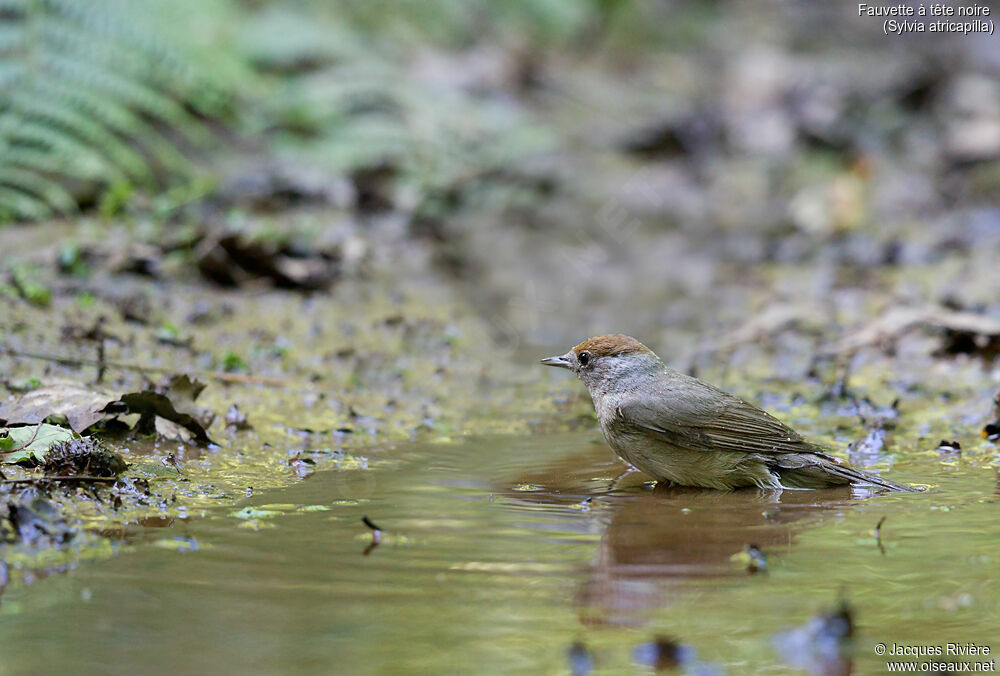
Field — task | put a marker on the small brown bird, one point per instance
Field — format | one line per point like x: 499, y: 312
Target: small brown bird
x: 678, y: 429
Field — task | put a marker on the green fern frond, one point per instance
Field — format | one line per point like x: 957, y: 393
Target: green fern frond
x: 17, y: 204
x: 31, y: 182
x: 73, y: 120
x: 83, y: 167
x: 105, y: 91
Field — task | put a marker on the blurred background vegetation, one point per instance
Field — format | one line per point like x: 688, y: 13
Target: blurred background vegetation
x: 105, y: 98
x: 550, y: 150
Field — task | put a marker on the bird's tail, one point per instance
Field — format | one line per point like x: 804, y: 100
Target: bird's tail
x: 808, y: 470
x: 854, y: 475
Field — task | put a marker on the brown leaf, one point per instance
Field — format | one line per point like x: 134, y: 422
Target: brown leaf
x: 182, y: 391
x: 172, y: 400
x: 889, y: 326
x: 82, y: 405
x: 148, y: 404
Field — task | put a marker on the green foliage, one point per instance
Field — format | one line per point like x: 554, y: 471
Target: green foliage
x: 115, y: 198
x: 19, y: 444
x: 26, y: 385
x: 106, y: 93
x: 103, y: 102
x: 458, y: 24
x: 233, y: 362
x: 355, y: 102
x: 70, y: 260
x: 168, y: 333
x: 23, y: 277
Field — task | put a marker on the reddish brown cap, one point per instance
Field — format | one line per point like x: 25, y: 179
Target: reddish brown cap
x: 612, y: 343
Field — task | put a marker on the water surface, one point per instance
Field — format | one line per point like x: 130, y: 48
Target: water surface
x: 494, y: 560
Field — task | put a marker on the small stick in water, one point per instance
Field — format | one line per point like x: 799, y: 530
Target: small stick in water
x: 878, y: 535
x: 376, y: 535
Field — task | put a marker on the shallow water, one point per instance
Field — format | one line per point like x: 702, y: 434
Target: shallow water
x: 492, y: 562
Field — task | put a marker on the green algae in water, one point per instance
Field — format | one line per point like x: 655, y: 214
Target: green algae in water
x: 251, y: 513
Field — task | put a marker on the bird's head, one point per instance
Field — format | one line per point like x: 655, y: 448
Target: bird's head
x: 608, y: 361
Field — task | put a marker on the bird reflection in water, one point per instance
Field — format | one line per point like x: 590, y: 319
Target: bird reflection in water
x: 656, y: 538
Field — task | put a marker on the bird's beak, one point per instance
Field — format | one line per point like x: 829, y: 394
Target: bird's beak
x: 562, y: 361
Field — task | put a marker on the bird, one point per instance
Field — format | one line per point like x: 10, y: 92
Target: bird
x: 683, y: 431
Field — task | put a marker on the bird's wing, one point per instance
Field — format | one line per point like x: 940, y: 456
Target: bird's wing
x: 693, y: 415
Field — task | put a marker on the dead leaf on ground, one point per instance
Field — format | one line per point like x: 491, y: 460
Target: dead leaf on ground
x: 233, y: 259
x: 171, y: 401
x: 167, y: 429
x: 768, y: 323
x: 81, y: 405
x: 277, y: 187
x: 674, y: 134
x: 182, y: 390
x: 898, y: 321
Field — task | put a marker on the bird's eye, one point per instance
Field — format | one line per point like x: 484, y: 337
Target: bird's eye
x: 584, y: 358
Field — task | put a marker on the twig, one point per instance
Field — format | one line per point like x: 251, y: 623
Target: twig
x: 376, y: 536
x: 102, y: 364
x: 27, y: 443
x: 222, y: 376
x: 878, y: 535
x: 69, y: 478
x: 171, y: 462
x: 629, y: 469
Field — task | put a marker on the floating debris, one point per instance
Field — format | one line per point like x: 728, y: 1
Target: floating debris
x: 822, y: 645
x: 945, y: 446
x: 752, y: 557
x: 181, y: 544
x: 581, y: 662
x: 237, y: 419
x: 302, y: 465
x: 248, y: 513
x: 757, y: 561
x: 661, y: 653
x: 665, y: 654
